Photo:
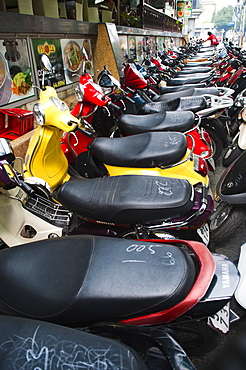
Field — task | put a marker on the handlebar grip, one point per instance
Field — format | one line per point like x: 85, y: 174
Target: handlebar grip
x: 115, y: 106
x: 89, y: 134
x: 129, y: 99
x: 27, y: 188
x: 130, y: 90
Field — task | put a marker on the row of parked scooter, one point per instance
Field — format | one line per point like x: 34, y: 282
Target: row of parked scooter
x: 110, y: 218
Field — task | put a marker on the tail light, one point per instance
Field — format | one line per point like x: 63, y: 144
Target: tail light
x: 200, y: 165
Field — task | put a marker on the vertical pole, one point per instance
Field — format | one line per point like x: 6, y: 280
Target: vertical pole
x: 242, y: 25
x: 141, y: 2
x: 118, y: 11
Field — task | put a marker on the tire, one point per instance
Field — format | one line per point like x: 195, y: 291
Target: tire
x: 230, y: 155
x: 195, y: 337
x: 224, y: 221
x: 217, y: 143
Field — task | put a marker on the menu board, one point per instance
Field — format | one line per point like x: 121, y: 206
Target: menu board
x: 16, y: 80
x: 51, y: 48
x: 68, y: 57
x: 77, y: 57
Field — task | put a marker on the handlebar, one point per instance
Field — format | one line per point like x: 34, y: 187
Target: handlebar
x: 87, y: 133
x: 27, y: 188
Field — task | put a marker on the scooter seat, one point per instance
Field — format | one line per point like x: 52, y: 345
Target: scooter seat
x: 128, y: 199
x: 80, y: 279
x: 189, y: 92
x: 146, y: 150
x: 170, y: 89
x: 33, y: 344
x: 197, y: 70
x: 199, y: 64
x: 204, y: 77
x: 200, y: 55
x: 189, y: 103
x: 131, y: 124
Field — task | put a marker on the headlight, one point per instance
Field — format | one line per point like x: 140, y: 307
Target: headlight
x: 38, y: 113
x: 107, y: 90
x: 59, y: 104
x: 79, y: 91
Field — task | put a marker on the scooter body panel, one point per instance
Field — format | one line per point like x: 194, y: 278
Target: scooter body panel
x: 241, y: 289
x: 231, y: 187
x: 74, y: 144
x: 184, y: 170
x: 44, y: 157
x: 221, y: 289
x: 242, y: 136
x: 14, y: 218
x: 133, y: 77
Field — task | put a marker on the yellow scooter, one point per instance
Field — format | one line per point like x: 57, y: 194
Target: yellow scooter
x: 158, y: 154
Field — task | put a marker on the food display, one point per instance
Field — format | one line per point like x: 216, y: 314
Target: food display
x: 72, y: 56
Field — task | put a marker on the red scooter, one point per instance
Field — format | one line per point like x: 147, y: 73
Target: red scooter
x: 118, y: 286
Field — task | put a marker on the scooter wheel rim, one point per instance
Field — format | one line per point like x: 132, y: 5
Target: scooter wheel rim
x: 217, y: 220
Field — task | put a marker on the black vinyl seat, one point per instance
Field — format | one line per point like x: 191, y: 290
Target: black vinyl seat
x: 171, y: 89
x: 34, y: 344
x: 128, y: 199
x: 145, y: 150
x: 189, y: 92
x: 202, y: 77
x: 181, y: 121
x: 189, y: 103
x: 80, y: 279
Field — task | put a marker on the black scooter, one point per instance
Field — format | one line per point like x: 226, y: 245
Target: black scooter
x: 231, y: 195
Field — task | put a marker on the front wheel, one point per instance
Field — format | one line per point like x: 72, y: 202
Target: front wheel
x: 230, y: 155
x: 195, y: 337
x: 224, y: 221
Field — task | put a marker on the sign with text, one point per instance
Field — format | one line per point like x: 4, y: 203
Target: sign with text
x: 16, y: 80
x: 52, y: 48
x: 184, y: 8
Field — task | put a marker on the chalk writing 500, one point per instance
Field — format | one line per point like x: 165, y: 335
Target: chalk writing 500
x: 168, y: 259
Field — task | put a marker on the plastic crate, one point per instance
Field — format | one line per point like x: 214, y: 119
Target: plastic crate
x: 15, y: 122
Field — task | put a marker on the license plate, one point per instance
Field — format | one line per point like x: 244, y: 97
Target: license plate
x: 203, y: 232
x: 221, y: 320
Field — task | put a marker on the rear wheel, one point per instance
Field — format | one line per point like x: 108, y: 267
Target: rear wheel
x: 224, y: 221
x: 217, y: 143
